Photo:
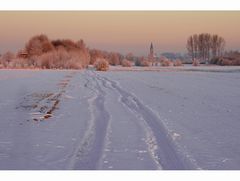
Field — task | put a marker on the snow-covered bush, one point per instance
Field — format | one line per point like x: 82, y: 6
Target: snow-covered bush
x: 126, y: 63
x: 195, y: 62
x: 145, y: 63
x: 165, y: 63
x: 177, y: 63
x: 101, y: 64
x: 226, y: 62
x: 75, y: 61
x: 7, y: 58
x: 142, y: 61
x: 60, y: 59
x: 18, y: 63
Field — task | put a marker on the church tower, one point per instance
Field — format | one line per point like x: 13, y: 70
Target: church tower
x: 151, y: 55
x: 151, y: 50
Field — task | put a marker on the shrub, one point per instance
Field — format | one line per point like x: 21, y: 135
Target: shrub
x: 177, y: 63
x: 94, y: 55
x: 61, y: 59
x: 236, y: 62
x: 101, y: 64
x: 142, y: 61
x: 6, y: 58
x: 229, y: 58
x: 166, y: 63
x: 126, y: 63
x: 145, y: 63
x: 226, y: 62
x: 18, y: 63
x: 73, y: 64
x: 137, y: 62
x: 214, y: 60
x: 195, y: 62
x: 114, y: 59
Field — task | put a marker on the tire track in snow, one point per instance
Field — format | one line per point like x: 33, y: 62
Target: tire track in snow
x: 160, y: 143
x: 88, y: 154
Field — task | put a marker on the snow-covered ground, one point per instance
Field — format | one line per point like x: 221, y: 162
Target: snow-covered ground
x: 167, y: 118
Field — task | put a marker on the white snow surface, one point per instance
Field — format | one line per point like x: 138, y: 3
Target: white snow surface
x: 171, y: 119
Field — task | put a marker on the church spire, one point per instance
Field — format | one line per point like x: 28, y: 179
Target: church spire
x: 151, y: 46
x: 151, y: 49
x: 151, y: 54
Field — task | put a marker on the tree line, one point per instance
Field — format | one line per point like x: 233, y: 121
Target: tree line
x: 41, y: 52
x: 205, y: 46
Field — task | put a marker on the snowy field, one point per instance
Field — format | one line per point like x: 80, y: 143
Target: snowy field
x: 158, y: 118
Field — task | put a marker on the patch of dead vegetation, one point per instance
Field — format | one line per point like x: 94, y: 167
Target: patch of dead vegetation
x: 43, y: 105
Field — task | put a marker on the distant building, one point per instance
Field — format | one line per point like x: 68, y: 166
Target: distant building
x: 152, y: 58
x: 22, y: 54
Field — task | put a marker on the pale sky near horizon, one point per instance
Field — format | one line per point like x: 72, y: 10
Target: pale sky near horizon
x: 122, y: 31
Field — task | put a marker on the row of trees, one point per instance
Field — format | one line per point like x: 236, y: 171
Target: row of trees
x: 205, y: 46
x: 41, y: 52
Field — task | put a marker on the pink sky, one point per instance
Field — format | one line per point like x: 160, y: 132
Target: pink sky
x: 123, y: 31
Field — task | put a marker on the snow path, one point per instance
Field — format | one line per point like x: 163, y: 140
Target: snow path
x: 160, y: 144
x: 92, y: 152
x: 125, y: 143
x: 88, y: 154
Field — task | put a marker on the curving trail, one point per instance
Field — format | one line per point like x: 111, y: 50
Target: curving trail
x: 88, y: 154
x: 160, y: 146
x: 160, y: 143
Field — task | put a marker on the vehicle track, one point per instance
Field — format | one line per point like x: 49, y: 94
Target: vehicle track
x: 160, y: 144
x: 88, y: 154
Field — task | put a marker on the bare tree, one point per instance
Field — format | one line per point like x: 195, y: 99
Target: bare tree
x: 220, y: 46
x: 190, y: 47
x: 195, y: 45
x: 214, y: 45
x: 205, y: 46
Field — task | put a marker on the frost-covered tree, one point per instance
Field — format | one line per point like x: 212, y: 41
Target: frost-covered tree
x: 38, y: 45
x: 94, y: 55
x: 114, y: 58
x: 6, y: 58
